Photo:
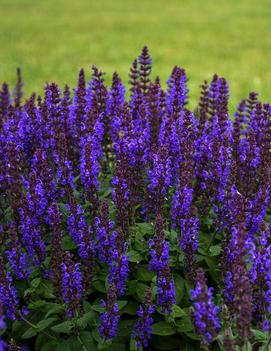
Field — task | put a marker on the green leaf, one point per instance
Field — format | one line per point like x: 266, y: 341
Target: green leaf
x: 163, y: 329
x: 106, y: 193
x: 122, y: 304
x: 140, y: 290
x: 28, y: 292
x: 86, y: 306
x: 179, y: 287
x: 131, y: 308
x: 134, y: 256
x: 63, y: 208
x: 46, y: 289
x: 188, y: 347
x: 53, y: 308
x: 173, y: 260
x: 116, y: 347
x: 51, y: 346
x: 40, y: 341
x: 213, y: 267
x: 96, y: 336
x: 71, y: 344
x: 259, y: 335
x: 98, y: 308
x: 125, y: 327
x: 29, y: 333
x: 87, y: 340
x: 68, y: 244
x: 17, y: 325
x: 131, y: 285
x: 193, y: 336
x: 45, y: 323
x: 76, y: 179
x: 145, y: 228
x: 133, y: 346
x: 166, y: 342
x: 144, y: 274
x: 172, y: 235
x: 64, y: 327
x: 184, y: 324
x: 247, y: 347
x: 177, y: 312
x: 86, y: 319
x: 99, y: 286
x: 215, y: 250
x: 265, y: 348
x: 140, y: 245
x: 36, y: 305
x: 19, y: 328
x: 35, y: 283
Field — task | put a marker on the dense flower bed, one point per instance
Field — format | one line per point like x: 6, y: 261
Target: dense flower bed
x: 131, y: 224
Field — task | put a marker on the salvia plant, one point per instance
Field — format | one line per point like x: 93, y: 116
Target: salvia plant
x: 129, y: 222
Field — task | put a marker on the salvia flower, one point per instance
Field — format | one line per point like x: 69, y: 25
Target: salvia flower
x: 2, y: 326
x: 105, y: 235
x: 71, y: 285
x: 260, y: 275
x: 159, y: 249
x: 81, y: 235
x: 177, y: 92
x: 204, y: 313
x: 119, y: 267
x: 121, y: 193
x: 142, y: 329
x: 89, y: 169
x: 32, y: 235
x: 16, y: 256
x: 159, y: 176
x: 109, y: 319
x: 238, y: 287
x: 54, y: 219
x: 8, y: 296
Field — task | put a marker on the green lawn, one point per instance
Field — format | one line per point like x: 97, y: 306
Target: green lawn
x: 52, y: 39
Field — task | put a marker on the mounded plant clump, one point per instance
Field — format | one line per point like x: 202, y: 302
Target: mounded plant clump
x: 134, y: 223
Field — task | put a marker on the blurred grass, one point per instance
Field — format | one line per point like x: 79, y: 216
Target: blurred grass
x: 52, y: 39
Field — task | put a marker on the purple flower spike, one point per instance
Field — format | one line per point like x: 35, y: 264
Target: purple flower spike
x: 142, y: 330
x: 108, y: 327
x: 159, y: 249
x: 72, y: 289
x: 204, y: 313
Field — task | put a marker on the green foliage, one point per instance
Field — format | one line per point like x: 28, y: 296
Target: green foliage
x: 163, y: 329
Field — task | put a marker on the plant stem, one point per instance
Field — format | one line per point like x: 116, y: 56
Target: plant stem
x: 266, y: 346
x: 77, y: 331
x: 81, y: 342
x: 35, y: 327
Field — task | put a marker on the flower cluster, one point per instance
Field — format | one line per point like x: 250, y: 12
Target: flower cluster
x: 8, y: 296
x: 108, y: 327
x: 204, y: 312
x: 159, y: 249
x: 71, y: 285
x: 142, y: 329
x: 104, y: 195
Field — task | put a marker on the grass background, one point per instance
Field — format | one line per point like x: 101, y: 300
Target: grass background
x: 52, y: 39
